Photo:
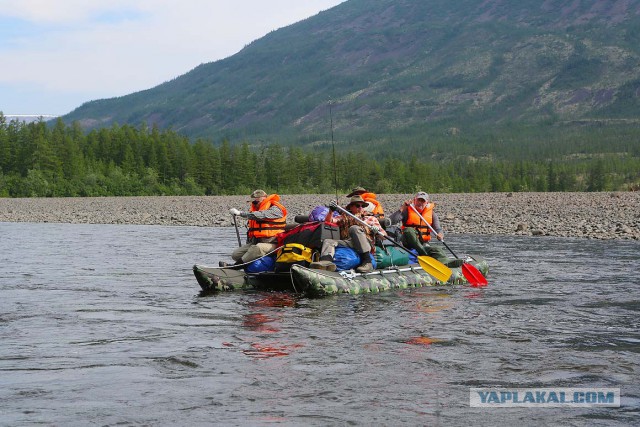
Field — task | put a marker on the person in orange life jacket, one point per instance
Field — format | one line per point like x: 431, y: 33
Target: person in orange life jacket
x: 416, y: 234
x: 266, y: 218
x: 353, y: 235
x: 374, y: 207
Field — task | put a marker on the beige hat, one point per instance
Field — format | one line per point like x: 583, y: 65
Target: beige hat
x: 258, y: 193
x: 422, y: 195
x: 356, y: 191
x: 357, y: 199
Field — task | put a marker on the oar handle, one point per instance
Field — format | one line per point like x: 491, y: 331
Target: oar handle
x: 339, y: 208
x: 235, y: 223
x: 431, y: 229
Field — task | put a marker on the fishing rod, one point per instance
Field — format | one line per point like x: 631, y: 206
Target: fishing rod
x: 333, y: 146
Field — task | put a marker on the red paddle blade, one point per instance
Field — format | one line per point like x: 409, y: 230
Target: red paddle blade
x: 473, y: 275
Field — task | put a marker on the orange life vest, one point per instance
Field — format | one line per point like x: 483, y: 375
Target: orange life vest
x: 377, y: 206
x: 414, y: 220
x: 267, y: 227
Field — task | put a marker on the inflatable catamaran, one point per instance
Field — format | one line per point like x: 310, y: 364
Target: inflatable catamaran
x: 286, y: 269
x: 318, y: 283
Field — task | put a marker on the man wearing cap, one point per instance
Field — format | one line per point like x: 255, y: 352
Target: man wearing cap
x: 416, y: 234
x: 352, y: 235
x: 266, y: 218
x: 374, y: 206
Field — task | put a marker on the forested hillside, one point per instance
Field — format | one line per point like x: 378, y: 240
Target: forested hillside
x: 447, y: 96
x: 61, y: 160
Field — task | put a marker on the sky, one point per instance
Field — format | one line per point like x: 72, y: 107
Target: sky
x: 57, y: 54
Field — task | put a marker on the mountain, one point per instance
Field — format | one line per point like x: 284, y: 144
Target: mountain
x: 405, y: 67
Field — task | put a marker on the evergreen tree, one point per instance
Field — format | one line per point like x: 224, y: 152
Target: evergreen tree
x: 274, y: 167
x: 56, y: 160
x: 552, y: 177
x: 596, y: 177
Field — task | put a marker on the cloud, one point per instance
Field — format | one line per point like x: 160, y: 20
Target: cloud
x: 62, y: 12
x: 115, y: 47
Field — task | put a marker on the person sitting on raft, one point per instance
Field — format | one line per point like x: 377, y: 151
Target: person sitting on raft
x: 374, y: 207
x: 353, y: 235
x: 416, y: 234
x: 266, y: 217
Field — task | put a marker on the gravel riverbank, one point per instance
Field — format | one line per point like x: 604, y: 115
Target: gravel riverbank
x: 589, y: 215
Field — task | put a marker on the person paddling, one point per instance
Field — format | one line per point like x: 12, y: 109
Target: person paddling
x: 416, y: 234
x: 266, y: 218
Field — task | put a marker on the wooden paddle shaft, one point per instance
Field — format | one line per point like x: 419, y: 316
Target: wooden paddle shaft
x: 235, y: 223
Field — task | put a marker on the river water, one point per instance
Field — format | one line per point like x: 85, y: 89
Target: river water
x: 104, y: 325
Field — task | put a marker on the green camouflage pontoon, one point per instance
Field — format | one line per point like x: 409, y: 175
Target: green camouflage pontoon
x: 318, y: 283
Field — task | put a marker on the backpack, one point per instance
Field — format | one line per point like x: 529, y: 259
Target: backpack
x: 259, y: 265
x: 292, y: 253
x: 309, y: 234
x: 391, y: 256
x: 346, y: 259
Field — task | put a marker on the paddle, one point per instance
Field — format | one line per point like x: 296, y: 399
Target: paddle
x: 428, y: 264
x: 235, y: 223
x: 471, y: 273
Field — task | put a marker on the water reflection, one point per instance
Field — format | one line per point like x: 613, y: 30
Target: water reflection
x: 262, y: 351
x: 263, y: 320
x: 422, y: 341
x: 275, y: 299
x: 259, y: 322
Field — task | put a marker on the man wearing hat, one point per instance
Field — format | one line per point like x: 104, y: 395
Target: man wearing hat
x: 374, y: 207
x: 266, y: 218
x: 352, y: 235
x: 416, y: 234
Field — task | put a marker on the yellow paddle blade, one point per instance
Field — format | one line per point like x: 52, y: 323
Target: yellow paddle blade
x: 435, y: 268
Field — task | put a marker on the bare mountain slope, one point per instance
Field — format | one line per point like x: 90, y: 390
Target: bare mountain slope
x: 397, y: 66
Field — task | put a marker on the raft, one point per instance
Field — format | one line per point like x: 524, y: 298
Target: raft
x: 319, y: 283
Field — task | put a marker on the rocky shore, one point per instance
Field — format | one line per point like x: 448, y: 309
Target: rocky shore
x: 588, y: 215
